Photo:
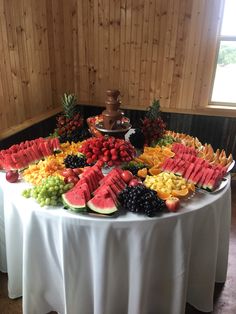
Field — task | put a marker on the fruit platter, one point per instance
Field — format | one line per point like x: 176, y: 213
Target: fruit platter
x: 149, y: 173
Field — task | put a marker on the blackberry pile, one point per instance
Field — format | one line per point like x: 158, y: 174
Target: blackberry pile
x: 140, y: 199
x: 134, y: 167
x: 74, y: 161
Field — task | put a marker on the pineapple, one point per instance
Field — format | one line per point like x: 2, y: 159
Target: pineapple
x: 153, y: 127
x: 70, y: 122
x: 69, y: 103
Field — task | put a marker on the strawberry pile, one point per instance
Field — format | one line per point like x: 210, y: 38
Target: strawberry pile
x: 66, y: 125
x: 153, y: 129
x: 107, y: 150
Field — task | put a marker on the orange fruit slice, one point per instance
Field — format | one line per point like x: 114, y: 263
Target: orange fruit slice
x: 142, y: 173
x: 180, y: 193
x: 163, y: 195
x: 167, y: 152
x: 154, y: 171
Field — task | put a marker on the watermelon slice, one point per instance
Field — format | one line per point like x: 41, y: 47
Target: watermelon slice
x: 189, y: 171
x: 209, y: 175
x: 106, y: 190
x: 85, y: 188
x: 75, y: 199
x: 191, y: 178
x: 102, y: 204
x: 88, y: 182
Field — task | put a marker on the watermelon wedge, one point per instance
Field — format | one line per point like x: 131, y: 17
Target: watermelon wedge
x: 75, y: 199
x: 102, y: 204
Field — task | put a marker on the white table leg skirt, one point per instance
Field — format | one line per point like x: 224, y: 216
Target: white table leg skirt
x: 135, y: 268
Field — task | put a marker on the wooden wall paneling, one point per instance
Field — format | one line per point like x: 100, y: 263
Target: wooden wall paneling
x: 100, y: 45
x: 83, y: 93
x: 2, y: 120
x: 169, y: 52
x: 75, y: 39
x: 146, y: 100
x: 143, y: 55
x: 38, y: 102
x: 201, y: 58
x: 157, y: 50
x: 68, y: 12
x: 16, y: 113
x: 32, y: 81
x: 51, y: 52
x: 23, y: 60
x: 96, y: 80
x: 7, y: 96
x: 106, y: 47
x: 139, y: 41
x: 117, y: 50
x: 183, y: 20
x: 58, y: 46
x: 133, y: 44
x: 122, y: 73
x: 154, y: 48
x: 184, y: 38
x: 197, y: 26
x: 128, y: 23
x: 43, y: 52
x: 90, y: 51
x: 111, y: 43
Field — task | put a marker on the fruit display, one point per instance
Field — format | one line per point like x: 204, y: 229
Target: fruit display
x: 105, y: 174
x: 194, y: 169
x: 70, y: 122
x: 153, y: 127
x: 21, y: 155
x: 168, y: 184
x: 140, y: 199
x: 49, y: 192
x: 108, y: 150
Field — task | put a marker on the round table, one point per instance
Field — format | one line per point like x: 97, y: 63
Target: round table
x: 77, y: 264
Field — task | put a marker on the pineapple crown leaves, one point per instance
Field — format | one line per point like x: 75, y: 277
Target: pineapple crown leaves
x: 153, y: 111
x: 69, y: 103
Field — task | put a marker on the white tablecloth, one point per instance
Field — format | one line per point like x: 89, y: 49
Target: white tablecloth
x: 132, y: 264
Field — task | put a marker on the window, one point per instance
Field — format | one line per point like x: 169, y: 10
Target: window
x: 224, y: 87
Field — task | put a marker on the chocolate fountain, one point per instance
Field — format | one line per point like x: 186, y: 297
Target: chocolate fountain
x: 113, y: 123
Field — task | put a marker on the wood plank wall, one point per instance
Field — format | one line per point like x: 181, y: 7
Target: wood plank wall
x: 146, y: 48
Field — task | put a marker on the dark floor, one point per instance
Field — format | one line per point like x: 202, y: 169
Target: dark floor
x: 225, y: 295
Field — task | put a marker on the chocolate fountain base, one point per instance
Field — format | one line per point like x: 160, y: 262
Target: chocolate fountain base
x: 118, y: 133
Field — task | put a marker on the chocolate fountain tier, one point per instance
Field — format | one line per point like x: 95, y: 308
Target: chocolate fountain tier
x: 119, y: 132
x: 113, y: 123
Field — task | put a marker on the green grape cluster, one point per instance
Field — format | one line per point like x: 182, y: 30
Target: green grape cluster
x: 49, y: 191
x: 165, y: 140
